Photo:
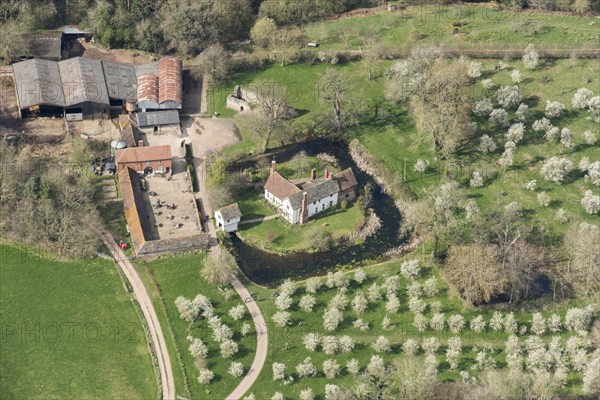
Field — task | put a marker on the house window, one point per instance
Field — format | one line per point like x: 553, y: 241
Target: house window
x: 330, y: 203
x: 348, y: 195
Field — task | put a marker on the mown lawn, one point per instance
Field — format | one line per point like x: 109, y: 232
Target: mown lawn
x: 69, y: 330
x: 285, y: 344
x: 180, y: 276
x: 466, y: 26
x: 281, y: 237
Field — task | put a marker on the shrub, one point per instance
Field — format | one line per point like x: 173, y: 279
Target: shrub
x: 515, y: 75
x: 344, y: 204
x: 229, y: 348
x: 245, y: 329
x: 487, y: 83
x: 360, y: 324
x: 438, y: 322
x: 542, y: 125
x: 531, y: 185
x: 332, y: 392
x: 346, y: 344
x: 410, y: 347
x: 566, y: 138
x: 420, y: 322
x: 359, y: 276
x: 393, y: 304
x: 313, y: 285
x: 544, y: 199
x: 359, y: 303
x: 386, y: 322
x: 562, y: 216
x: 421, y: 165
x: 476, y: 180
x: 430, y: 345
x: 474, y: 70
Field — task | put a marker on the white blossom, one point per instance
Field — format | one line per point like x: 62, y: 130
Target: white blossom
x: 531, y: 185
x: 499, y: 118
x: 483, y: 107
x: 476, y: 180
x: 556, y: 168
x: 474, y: 70
x: 229, y: 348
x: 566, y: 138
x: 593, y: 174
x: 562, y: 216
x: 307, y: 394
x: 282, y: 318
x: 353, y: 367
x: 237, y: 312
x: 386, y: 322
x: 376, y: 367
x: 306, y: 368
x: 456, y: 323
x: 393, y: 304
x: 538, y: 324
x: 430, y: 287
x: 589, y: 137
x: 497, y: 321
x: 288, y: 287
x: 594, y: 108
x: 430, y: 345
x: 382, y: 345
x: 515, y: 75
x: 245, y: 329
x: 554, y: 323
x: 329, y: 344
x: 487, y: 83
x: 416, y: 305
x: 331, y: 368
x: 277, y: 396
x: 205, y: 376
x: 591, y: 376
x: 437, y: 322
x: 278, y: 371
x: 515, y: 132
x: 332, y: 392
x: 374, y: 293
x: 542, y: 125
x: 554, y: 109
x: 311, y: 341
x: 198, y: 349
x: 359, y: 303
x: 582, y: 98
x: 510, y: 323
x: 421, y: 165
x: 307, y: 302
x: 313, y: 285
x: 346, y: 344
x: 410, y: 269
x: 359, y: 276
x: 283, y: 302
x: 332, y: 318
x: 523, y: 112
x: 486, y: 144
x: 236, y: 369
x: 420, y: 322
x: 591, y: 202
x: 531, y: 57
x: 477, y: 324
x: 410, y: 347
x: 360, y: 324
x: 508, y: 96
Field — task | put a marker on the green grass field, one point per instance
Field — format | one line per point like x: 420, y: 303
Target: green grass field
x: 69, y: 330
x: 180, y: 276
x: 465, y: 27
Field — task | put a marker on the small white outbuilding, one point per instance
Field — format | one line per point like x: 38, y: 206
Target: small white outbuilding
x: 228, y: 217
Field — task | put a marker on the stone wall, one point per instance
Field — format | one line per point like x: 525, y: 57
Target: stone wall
x: 174, y: 245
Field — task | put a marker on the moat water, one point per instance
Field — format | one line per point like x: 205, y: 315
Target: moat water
x: 270, y: 269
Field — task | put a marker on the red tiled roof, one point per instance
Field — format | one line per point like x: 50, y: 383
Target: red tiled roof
x: 147, y: 89
x: 170, y: 78
x: 280, y: 187
x: 143, y: 154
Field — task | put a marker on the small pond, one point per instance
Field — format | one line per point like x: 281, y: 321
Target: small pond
x: 269, y: 269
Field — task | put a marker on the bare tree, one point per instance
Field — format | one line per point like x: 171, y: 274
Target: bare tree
x: 582, y: 246
x: 214, y: 62
x: 270, y: 98
x: 216, y: 271
x: 335, y: 88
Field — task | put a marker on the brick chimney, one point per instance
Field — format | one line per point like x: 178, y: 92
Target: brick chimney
x: 328, y: 175
x: 273, y: 165
x: 140, y: 143
x: 313, y: 174
x: 304, y: 209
